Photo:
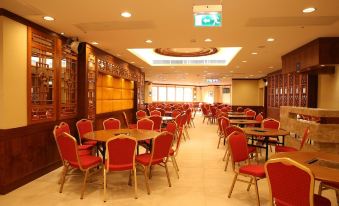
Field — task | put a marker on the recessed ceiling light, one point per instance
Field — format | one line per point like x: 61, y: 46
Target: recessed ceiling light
x: 148, y: 41
x: 94, y: 43
x: 271, y: 67
x: 62, y: 33
x: 49, y: 18
x: 132, y: 62
x: 142, y: 67
x: 270, y: 39
x: 118, y: 55
x: 244, y: 61
x: 254, y: 53
x: 322, y: 65
x: 308, y: 10
x: 126, y: 14
x: 251, y: 75
x: 208, y: 40
x: 231, y: 71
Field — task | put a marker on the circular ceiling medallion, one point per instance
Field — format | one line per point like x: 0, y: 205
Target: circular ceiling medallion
x: 186, y: 52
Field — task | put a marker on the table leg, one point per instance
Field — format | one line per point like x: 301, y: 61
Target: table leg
x: 266, y: 147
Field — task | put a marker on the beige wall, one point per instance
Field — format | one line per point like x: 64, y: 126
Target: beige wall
x: 328, y: 90
x: 13, y: 72
x: 148, y: 89
x: 245, y: 92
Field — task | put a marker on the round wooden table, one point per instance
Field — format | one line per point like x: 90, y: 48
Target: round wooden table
x: 266, y: 133
x: 244, y: 121
x: 239, y: 116
x: 326, y: 168
x: 104, y: 135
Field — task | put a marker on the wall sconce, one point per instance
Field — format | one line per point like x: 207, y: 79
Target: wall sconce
x: 149, y: 93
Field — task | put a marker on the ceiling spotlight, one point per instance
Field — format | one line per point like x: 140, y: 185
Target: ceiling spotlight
x: 231, y: 71
x: 208, y: 40
x: 62, y: 33
x: 94, y: 43
x: 309, y: 10
x: 118, y: 55
x: 271, y: 67
x: 142, y: 67
x: 270, y: 39
x: 49, y: 18
x: 148, y: 41
x: 132, y: 62
x: 126, y: 14
x: 244, y: 61
x: 254, y: 53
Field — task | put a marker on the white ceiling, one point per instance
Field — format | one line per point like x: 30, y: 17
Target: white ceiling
x: 246, y: 23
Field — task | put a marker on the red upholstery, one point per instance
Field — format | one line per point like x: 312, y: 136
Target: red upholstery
x: 321, y: 201
x: 171, y: 127
x: 238, y: 146
x: 240, y: 109
x: 155, y: 113
x: 87, y: 162
x: 290, y: 183
x: 63, y: 127
x: 230, y: 129
x: 254, y: 170
x: 157, y: 120
x: 141, y: 114
x: 111, y: 123
x: 121, y: 153
x: 183, y: 121
x: 247, y: 109
x: 162, y: 112
x: 259, y: 117
x: 84, y: 126
x: 161, y: 148
x: 177, y: 143
x: 132, y: 126
x: 250, y: 113
x: 145, y: 123
x: 270, y: 124
x: 175, y: 113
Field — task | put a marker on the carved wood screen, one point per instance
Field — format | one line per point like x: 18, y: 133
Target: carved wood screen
x: 68, y: 83
x: 91, y: 74
x: 287, y: 90
x: 41, y: 77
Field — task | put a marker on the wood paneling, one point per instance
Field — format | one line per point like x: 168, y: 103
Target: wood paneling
x: 257, y: 109
x: 27, y: 153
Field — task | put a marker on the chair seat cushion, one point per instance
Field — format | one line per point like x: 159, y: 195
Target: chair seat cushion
x: 145, y: 159
x: 321, y: 201
x: 132, y: 126
x: 254, y: 170
x: 251, y: 149
x: 279, y: 148
x: 85, y: 147
x: 90, y: 142
x: 87, y: 161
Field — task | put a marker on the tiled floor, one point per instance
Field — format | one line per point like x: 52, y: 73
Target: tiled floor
x: 203, y: 181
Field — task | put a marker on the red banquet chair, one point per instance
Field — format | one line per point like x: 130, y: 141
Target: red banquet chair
x: 175, y: 113
x: 223, y: 122
x: 84, y: 126
x: 174, y: 152
x: 155, y: 113
x: 157, y: 120
x: 128, y: 125
x: 67, y: 147
x: 63, y: 127
x: 145, y: 124
x: 121, y: 151
x: 141, y: 114
x: 237, y: 143
x: 171, y: 127
x: 111, y: 123
x: 250, y: 113
x: 279, y: 148
x: 158, y: 156
x: 229, y: 130
x: 292, y: 184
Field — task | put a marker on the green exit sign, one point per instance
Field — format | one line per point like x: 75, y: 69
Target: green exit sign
x: 212, y: 19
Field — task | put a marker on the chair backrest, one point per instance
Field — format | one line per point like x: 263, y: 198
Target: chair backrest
x: 240, y: 109
x: 290, y: 182
x: 67, y: 146
x: 204, y: 110
x: 61, y: 128
x: 259, y: 117
x: 237, y: 143
x: 305, y: 137
x: 223, y: 123
x: 171, y: 127
x: 111, y: 123
x: 161, y: 146
x: 183, y: 120
x: 175, y: 113
x: 178, y: 141
x: 269, y: 123
x: 162, y: 112
x: 247, y: 109
x: 229, y: 130
x: 145, y: 123
x: 121, y: 150
x: 250, y: 113
x: 157, y: 120
x: 155, y: 113
x: 141, y: 114
x: 84, y: 126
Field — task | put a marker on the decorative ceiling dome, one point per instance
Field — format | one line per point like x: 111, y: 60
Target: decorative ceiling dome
x: 186, y: 52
